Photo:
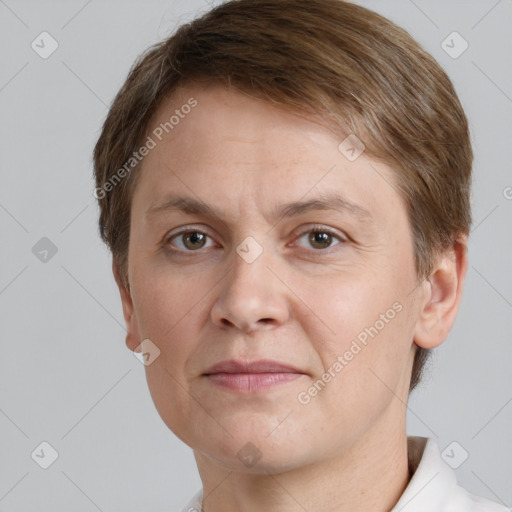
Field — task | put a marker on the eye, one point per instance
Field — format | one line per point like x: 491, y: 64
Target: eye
x: 188, y: 241
x: 320, y: 237
x: 192, y: 240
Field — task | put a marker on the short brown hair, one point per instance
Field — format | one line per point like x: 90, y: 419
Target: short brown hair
x: 329, y: 58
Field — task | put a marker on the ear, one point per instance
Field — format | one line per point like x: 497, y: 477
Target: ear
x: 443, y: 293
x: 132, y: 327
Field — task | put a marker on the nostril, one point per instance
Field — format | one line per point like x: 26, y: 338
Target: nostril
x: 247, y: 327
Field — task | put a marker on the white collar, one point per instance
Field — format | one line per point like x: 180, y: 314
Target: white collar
x: 434, y: 487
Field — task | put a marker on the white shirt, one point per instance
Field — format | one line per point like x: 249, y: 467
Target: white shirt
x: 432, y: 488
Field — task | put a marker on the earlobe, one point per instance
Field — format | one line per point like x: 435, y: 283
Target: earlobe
x: 443, y: 293
x: 132, y: 327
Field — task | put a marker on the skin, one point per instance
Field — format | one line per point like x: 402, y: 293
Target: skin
x: 298, y: 303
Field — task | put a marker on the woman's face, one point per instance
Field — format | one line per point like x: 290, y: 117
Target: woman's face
x: 263, y: 271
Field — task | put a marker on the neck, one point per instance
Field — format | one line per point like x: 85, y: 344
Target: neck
x: 372, y: 475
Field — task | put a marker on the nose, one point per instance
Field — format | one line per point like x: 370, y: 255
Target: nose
x: 251, y: 297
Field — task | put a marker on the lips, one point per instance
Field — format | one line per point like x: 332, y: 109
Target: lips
x: 259, y: 376
x: 260, y: 366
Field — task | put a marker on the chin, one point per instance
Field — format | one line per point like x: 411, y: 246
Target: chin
x: 255, y: 459
x: 253, y: 450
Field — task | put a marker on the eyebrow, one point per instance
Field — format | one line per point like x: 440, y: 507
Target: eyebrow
x: 327, y: 201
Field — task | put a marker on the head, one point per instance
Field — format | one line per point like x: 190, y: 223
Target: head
x: 258, y: 104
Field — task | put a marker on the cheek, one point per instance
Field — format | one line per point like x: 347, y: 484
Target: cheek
x: 362, y: 375
x: 165, y: 301
x: 374, y: 359
x: 169, y: 313
x: 367, y: 339
x: 345, y: 306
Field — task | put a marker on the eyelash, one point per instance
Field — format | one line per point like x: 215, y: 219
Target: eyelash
x: 311, y: 229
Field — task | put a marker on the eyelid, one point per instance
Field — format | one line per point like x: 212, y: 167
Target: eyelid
x: 181, y: 231
x: 322, y: 229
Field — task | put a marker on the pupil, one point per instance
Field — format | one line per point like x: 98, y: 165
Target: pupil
x: 320, y: 238
x: 195, y: 238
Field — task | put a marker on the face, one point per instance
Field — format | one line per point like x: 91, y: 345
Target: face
x: 255, y: 242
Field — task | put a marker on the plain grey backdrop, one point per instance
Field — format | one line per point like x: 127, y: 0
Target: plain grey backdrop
x: 66, y: 376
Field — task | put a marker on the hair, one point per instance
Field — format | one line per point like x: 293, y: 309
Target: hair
x: 332, y: 59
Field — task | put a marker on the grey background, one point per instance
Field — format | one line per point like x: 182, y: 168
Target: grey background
x: 66, y: 375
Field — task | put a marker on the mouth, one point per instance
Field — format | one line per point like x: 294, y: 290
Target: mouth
x: 250, y: 377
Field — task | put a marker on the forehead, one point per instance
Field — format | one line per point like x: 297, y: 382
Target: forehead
x: 229, y: 114
x: 223, y: 141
